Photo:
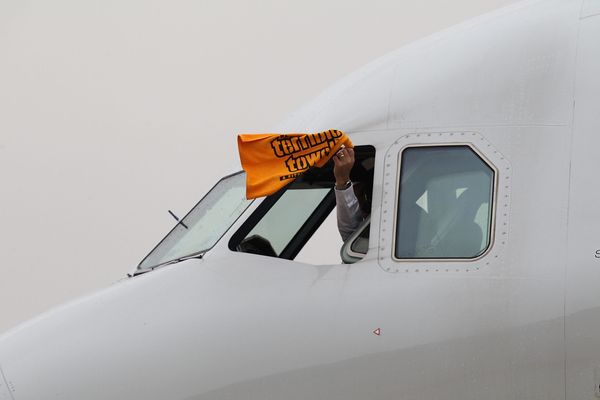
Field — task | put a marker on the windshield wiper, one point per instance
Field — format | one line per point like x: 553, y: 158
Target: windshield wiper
x: 197, y: 255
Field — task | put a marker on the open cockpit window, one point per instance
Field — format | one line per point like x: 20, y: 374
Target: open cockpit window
x: 445, y: 203
x: 298, y: 222
x: 204, y: 225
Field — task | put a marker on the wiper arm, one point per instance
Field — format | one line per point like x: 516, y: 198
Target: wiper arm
x: 198, y: 255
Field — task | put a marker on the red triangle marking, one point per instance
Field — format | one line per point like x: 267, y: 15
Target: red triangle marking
x: 377, y: 331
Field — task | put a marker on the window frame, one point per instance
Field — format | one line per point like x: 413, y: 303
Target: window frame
x: 300, y: 238
x: 493, y: 200
x: 363, y: 152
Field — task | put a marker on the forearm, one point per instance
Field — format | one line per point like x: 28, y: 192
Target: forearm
x: 349, y: 215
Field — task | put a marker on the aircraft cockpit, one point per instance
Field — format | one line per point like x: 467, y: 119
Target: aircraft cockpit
x: 280, y: 226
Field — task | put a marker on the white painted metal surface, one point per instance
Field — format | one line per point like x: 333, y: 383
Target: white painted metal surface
x: 590, y: 8
x: 521, y: 322
x: 4, y: 389
x: 583, y: 272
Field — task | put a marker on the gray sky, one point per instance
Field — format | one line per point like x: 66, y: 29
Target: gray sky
x: 114, y: 111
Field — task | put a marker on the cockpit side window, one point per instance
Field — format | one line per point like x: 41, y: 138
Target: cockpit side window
x: 276, y: 234
x: 444, y: 208
x: 284, y: 222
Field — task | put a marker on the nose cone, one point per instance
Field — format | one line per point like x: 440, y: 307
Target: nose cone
x: 189, y: 331
x: 125, y: 342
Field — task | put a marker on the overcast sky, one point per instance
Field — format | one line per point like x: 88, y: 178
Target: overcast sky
x: 113, y: 112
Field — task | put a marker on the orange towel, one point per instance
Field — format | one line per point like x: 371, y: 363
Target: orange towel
x: 271, y: 161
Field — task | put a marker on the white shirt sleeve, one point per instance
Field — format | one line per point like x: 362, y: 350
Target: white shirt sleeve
x: 349, y: 215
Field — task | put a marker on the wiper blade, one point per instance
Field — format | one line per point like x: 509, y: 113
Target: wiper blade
x: 198, y: 255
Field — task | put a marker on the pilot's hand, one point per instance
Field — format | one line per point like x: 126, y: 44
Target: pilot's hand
x: 343, y: 161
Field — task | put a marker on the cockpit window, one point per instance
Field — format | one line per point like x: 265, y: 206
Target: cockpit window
x: 287, y: 216
x: 284, y: 223
x: 204, y: 225
x: 445, y: 204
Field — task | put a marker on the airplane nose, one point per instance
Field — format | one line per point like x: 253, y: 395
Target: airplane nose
x: 194, y: 331
x: 155, y: 328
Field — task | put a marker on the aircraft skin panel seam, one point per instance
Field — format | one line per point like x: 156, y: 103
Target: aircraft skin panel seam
x: 584, y: 16
x: 446, y: 128
x: 396, y: 74
x: 591, y: 15
x: 4, y: 384
x: 567, y: 257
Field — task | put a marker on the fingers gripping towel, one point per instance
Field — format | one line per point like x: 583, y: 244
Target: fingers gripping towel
x: 271, y: 161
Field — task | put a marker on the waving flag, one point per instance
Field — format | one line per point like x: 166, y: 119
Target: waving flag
x: 271, y: 161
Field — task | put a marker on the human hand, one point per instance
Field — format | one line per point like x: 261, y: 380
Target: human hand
x: 343, y: 161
